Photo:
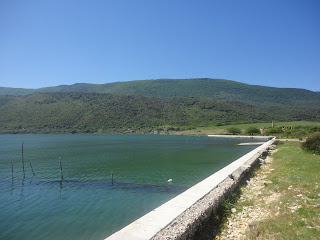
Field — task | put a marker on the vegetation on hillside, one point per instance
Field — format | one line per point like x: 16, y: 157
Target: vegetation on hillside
x: 218, y: 89
x: 92, y: 112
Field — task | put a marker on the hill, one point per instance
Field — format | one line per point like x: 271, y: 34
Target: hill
x: 217, y: 89
x: 94, y: 112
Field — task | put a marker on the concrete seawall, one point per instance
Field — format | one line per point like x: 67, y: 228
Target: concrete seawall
x: 241, y: 136
x: 183, y: 216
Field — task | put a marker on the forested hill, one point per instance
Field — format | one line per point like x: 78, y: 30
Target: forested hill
x: 218, y: 89
x: 93, y: 112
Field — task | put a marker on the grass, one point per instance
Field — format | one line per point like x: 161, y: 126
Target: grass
x: 223, y: 129
x: 296, y: 213
x: 260, y: 125
x: 298, y: 178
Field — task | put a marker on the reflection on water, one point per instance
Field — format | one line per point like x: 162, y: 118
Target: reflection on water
x: 85, y: 204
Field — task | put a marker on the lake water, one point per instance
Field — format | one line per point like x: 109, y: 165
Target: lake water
x: 85, y: 205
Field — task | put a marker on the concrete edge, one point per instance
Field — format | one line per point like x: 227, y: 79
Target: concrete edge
x: 242, y: 136
x: 182, y: 216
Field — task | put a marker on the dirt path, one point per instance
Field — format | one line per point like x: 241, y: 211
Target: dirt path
x: 243, y: 219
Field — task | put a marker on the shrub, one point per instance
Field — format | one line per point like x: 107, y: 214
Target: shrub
x: 234, y: 130
x: 312, y: 144
x: 313, y: 129
x: 271, y: 131
x: 252, y: 130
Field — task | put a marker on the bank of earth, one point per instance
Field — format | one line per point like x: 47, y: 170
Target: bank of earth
x: 282, y: 200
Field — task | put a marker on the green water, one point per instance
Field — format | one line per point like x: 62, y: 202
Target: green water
x: 86, y: 205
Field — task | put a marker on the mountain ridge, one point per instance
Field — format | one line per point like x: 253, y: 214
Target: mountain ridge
x: 219, y: 89
x: 158, y: 79
x: 96, y: 112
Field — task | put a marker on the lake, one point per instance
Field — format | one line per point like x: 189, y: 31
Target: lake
x: 86, y: 205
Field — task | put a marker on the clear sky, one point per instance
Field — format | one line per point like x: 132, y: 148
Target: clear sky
x: 49, y: 43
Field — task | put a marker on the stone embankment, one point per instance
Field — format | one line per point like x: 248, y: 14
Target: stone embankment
x: 185, y: 215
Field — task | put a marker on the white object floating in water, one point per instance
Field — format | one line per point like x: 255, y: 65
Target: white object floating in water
x: 170, y: 180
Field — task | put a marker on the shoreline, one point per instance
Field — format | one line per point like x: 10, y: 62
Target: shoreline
x: 242, y: 136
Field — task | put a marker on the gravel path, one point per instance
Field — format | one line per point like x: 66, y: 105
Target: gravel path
x: 239, y: 222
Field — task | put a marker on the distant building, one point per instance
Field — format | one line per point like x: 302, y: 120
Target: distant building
x: 286, y: 128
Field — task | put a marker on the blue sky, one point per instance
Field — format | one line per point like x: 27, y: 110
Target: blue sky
x: 48, y: 43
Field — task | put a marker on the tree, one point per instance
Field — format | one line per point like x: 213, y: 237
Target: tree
x: 234, y: 130
x: 252, y: 130
x: 271, y: 131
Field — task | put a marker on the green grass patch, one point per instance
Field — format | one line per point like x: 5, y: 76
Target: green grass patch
x: 301, y: 129
x: 260, y: 125
x: 297, y: 178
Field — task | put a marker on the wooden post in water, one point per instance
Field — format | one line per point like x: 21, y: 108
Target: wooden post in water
x: 24, y: 175
x: 61, y: 168
x: 32, y: 169
x: 112, y: 177
x: 12, y: 171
